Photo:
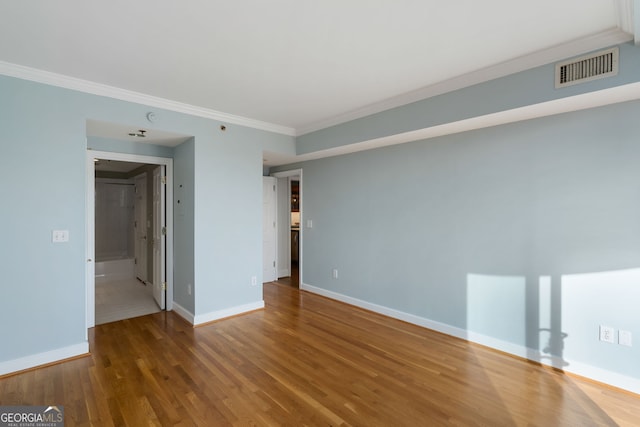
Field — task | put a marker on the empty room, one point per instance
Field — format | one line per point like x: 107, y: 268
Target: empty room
x: 336, y: 213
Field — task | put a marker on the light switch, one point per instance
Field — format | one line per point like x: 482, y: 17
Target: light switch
x: 624, y: 338
x: 309, y: 223
x: 60, y: 236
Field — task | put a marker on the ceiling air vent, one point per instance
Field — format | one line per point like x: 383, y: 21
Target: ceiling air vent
x: 586, y: 68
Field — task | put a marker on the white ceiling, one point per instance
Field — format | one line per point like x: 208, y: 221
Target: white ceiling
x: 297, y: 64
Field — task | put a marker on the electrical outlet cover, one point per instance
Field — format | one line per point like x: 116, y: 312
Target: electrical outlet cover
x: 607, y: 334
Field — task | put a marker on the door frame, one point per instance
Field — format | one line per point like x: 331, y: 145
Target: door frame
x: 289, y: 174
x: 140, y: 217
x: 159, y: 246
x: 271, y: 182
x: 90, y: 308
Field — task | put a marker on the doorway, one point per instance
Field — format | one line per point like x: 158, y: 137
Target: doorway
x: 137, y: 266
x: 290, y: 230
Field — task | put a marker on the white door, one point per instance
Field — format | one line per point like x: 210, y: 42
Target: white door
x: 140, y: 226
x: 159, y: 240
x: 269, y: 244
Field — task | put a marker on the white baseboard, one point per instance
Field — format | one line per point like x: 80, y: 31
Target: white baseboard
x: 285, y: 272
x: 227, y: 312
x: 45, y: 358
x: 597, y: 374
x: 200, y: 319
x: 183, y: 312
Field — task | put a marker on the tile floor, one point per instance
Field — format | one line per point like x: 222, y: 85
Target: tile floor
x: 123, y: 299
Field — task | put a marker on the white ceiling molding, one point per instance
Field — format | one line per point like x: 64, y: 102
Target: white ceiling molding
x: 636, y: 21
x: 54, y: 79
x: 628, y: 12
x: 560, y: 52
x: 625, y: 93
x: 564, y: 51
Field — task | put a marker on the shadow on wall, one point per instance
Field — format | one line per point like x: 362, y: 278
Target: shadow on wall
x: 503, y: 307
x: 557, y: 318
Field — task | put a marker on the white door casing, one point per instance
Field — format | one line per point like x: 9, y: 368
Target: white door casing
x: 159, y: 240
x: 141, y: 226
x: 269, y: 245
x: 90, y: 225
x: 285, y: 218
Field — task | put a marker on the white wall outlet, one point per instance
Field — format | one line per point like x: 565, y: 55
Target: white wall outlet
x: 254, y: 281
x: 334, y: 273
x: 60, y: 236
x: 624, y: 338
x: 607, y: 334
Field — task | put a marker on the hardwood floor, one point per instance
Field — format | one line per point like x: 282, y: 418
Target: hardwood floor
x: 307, y: 361
x: 293, y: 280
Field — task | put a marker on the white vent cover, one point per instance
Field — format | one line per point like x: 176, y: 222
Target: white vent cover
x: 587, y: 68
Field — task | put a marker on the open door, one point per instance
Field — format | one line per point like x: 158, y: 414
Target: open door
x: 269, y: 243
x: 159, y: 237
x: 140, y: 227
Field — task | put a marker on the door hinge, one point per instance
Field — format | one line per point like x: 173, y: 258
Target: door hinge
x: 135, y: 261
x: 164, y: 286
x: 163, y: 180
x: 164, y: 231
x: 274, y: 263
x: 274, y: 187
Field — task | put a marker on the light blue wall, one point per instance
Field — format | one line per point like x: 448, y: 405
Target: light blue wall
x: 495, y: 232
x: 128, y: 147
x: 228, y: 200
x: 184, y: 226
x: 43, y: 137
x: 517, y: 90
x: 42, y: 189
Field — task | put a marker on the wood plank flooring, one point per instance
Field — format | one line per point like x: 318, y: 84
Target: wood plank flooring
x: 307, y: 361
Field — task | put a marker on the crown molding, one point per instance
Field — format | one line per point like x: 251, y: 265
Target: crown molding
x: 577, y: 47
x: 567, y: 50
x: 628, y: 15
x: 80, y: 85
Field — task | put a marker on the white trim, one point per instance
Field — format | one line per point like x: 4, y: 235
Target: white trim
x: 90, y: 223
x: 624, y: 15
x: 86, y: 86
x: 601, y: 375
x: 183, y: 312
x: 200, y: 319
x: 577, y: 47
x: 45, y: 358
x: 289, y: 174
x: 286, y: 272
x: 635, y: 21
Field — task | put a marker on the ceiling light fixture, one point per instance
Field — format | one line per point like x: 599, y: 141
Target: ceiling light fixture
x: 139, y: 134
